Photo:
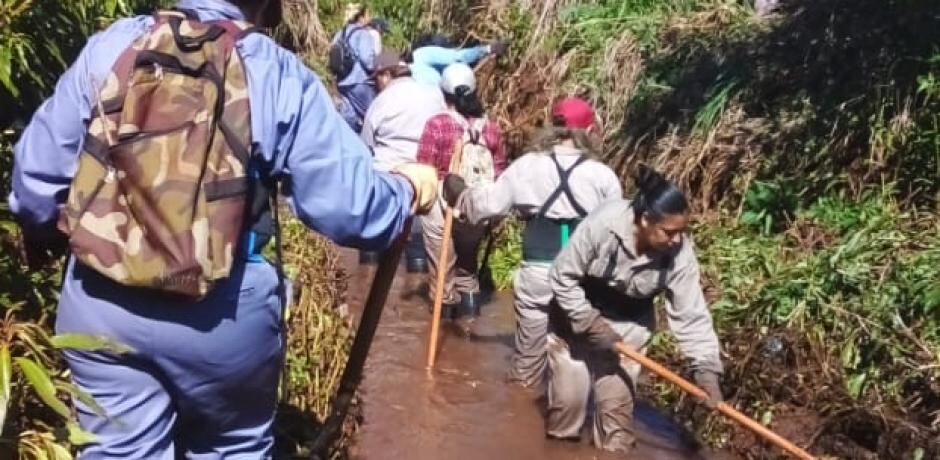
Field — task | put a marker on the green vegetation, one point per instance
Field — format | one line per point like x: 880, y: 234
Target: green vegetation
x: 809, y: 142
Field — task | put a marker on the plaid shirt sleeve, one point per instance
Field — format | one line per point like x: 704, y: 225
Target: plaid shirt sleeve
x: 493, y: 136
x: 436, y: 145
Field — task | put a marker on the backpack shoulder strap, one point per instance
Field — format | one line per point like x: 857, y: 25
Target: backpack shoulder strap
x: 239, y: 29
x: 348, y: 31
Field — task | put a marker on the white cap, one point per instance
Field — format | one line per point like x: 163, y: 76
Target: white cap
x: 457, y: 75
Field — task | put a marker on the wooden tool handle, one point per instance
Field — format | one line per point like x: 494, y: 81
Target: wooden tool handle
x: 725, y: 409
x: 455, y: 161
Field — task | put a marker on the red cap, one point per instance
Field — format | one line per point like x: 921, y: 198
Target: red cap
x: 575, y: 112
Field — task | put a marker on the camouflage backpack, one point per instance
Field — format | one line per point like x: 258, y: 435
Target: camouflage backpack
x: 160, y: 196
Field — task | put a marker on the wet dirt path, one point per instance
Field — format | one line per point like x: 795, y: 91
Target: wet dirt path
x: 463, y: 409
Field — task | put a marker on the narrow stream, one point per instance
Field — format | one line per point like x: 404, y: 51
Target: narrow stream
x: 463, y: 409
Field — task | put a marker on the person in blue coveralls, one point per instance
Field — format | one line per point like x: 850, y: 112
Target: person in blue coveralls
x: 356, y: 89
x: 202, y: 376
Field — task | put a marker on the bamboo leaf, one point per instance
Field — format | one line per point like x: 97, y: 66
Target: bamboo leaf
x: 6, y: 61
x: 40, y: 380
x: 5, y: 378
x: 89, y: 343
x: 58, y: 452
x: 85, y: 398
x: 79, y: 437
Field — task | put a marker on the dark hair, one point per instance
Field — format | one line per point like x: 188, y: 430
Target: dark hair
x: 359, y: 14
x: 430, y: 39
x: 548, y: 137
x: 466, y: 102
x: 656, y: 197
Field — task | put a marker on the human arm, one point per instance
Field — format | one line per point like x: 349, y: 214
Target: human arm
x: 494, y: 138
x: 611, y: 189
x: 430, y: 149
x: 439, y: 57
x: 332, y: 184
x: 688, y: 315
x: 369, y: 126
x: 492, y: 200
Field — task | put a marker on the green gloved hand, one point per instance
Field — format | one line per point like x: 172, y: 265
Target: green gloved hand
x: 710, y: 382
x: 601, y: 335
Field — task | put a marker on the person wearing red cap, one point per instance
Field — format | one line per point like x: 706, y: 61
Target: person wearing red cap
x: 552, y: 188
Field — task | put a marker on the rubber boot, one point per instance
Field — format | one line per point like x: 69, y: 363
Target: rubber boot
x: 417, y: 265
x: 368, y: 257
x: 448, y: 310
x: 415, y: 259
x: 470, y: 304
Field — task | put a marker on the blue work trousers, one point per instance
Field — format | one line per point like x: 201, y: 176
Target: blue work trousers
x: 202, y: 379
x: 354, y: 102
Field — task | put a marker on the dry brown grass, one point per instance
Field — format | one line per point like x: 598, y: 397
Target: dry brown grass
x: 302, y: 29
x: 711, y: 167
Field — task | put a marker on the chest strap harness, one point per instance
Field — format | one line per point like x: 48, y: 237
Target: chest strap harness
x: 544, y: 237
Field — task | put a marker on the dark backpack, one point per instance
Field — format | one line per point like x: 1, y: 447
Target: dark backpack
x: 343, y: 57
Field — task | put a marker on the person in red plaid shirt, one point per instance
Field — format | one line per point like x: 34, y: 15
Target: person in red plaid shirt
x: 436, y: 147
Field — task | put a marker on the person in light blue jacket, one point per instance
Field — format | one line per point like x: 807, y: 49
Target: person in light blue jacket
x: 202, y: 376
x: 431, y: 54
x: 357, y: 90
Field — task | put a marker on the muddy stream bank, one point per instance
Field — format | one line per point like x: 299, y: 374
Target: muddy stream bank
x: 464, y: 410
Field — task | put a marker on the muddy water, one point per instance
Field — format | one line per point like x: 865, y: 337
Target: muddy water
x: 463, y: 409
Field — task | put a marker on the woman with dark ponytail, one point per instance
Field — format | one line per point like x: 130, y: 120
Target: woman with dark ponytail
x: 623, y: 255
x: 463, y: 126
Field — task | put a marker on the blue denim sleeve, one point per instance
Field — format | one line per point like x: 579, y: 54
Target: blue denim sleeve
x: 46, y: 155
x: 332, y: 185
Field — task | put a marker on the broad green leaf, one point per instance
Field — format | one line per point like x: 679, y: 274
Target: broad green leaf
x: 918, y: 454
x: 41, y: 381
x: 79, y: 437
x: 89, y: 343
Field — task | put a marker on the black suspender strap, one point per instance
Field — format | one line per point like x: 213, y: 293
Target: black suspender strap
x: 564, y: 187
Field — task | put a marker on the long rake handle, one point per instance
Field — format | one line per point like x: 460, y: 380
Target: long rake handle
x: 725, y: 409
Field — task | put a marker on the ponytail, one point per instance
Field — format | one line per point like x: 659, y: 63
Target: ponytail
x: 656, y: 197
x: 466, y: 102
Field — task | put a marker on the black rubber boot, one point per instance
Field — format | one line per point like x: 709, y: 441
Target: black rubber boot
x: 470, y: 303
x: 448, y: 310
x: 417, y: 265
x: 368, y: 257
